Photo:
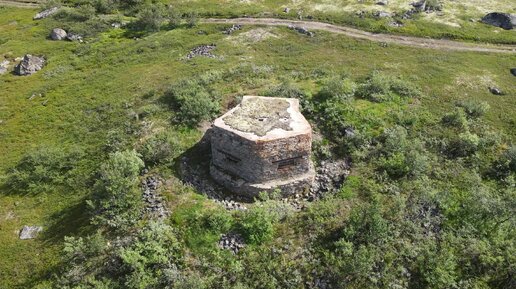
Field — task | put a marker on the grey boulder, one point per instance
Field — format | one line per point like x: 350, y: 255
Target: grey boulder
x: 4, y: 66
x: 513, y: 71
x: 29, y: 232
x: 502, y: 20
x: 58, y: 34
x: 45, y: 13
x: 30, y: 64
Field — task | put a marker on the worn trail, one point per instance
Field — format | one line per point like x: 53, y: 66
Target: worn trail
x: 439, y: 44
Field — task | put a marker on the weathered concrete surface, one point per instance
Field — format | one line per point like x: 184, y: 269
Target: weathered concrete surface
x: 261, y: 145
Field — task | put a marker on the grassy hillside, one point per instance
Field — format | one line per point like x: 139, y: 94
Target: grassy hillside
x: 112, y: 89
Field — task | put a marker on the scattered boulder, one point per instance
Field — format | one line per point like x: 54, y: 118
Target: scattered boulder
x: 302, y: 30
x: 286, y: 10
x: 29, y: 232
x: 202, y: 50
x: 419, y: 5
x: 4, y: 66
x: 495, y: 91
x: 513, y: 71
x: 396, y: 23
x: 502, y: 20
x: 382, y: 2
x: 45, y: 13
x: 231, y: 241
x: 74, y: 37
x: 58, y: 34
x: 382, y: 14
x: 30, y: 64
x: 232, y: 29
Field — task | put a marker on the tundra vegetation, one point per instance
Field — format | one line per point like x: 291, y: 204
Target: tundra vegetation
x: 429, y: 202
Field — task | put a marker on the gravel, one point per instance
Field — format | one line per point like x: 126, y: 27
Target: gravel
x: 154, y: 204
x: 231, y: 241
x: 202, y: 50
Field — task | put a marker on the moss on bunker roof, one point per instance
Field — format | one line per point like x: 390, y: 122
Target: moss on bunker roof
x: 260, y: 115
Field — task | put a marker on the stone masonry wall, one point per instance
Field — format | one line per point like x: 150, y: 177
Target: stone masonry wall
x: 260, y: 161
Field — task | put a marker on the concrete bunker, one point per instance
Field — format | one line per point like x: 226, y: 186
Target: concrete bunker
x: 262, y: 144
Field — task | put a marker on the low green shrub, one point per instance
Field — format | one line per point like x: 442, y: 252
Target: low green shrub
x: 151, y: 17
x: 41, y: 169
x: 257, y: 225
x: 160, y: 148
x: 117, y: 199
x: 379, y: 87
x: 338, y: 89
x: 473, y: 108
x: 192, y: 103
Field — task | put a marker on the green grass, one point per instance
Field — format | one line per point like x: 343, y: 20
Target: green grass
x: 97, y: 86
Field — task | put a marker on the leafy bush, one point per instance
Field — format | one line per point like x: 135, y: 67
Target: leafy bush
x: 286, y: 89
x: 219, y: 221
x: 473, y: 108
x: 505, y: 165
x: 257, y: 225
x: 456, y: 119
x: 338, y: 89
x: 117, y: 200
x: 151, y: 17
x: 192, y: 102
x: 105, y: 6
x: 160, y: 148
x: 465, y: 144
x: 379, y: 87
x: 149, y: 261
x: 43, y: 168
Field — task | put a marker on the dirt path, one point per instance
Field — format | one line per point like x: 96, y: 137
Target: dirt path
x: 351, y: 32
x: 21, y: 4
x: 385, y: 38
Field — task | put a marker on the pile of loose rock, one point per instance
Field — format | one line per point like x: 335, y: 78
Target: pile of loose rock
x: 330, y: 176
x: 203, y: 50
x: 30, y: 64
x: 232, y: 29
x: 302, y: 30
x: 154, y: 204
x: 231, y: 241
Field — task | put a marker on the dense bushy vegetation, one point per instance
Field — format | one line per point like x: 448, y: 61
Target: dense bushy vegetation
x: 429, y: 202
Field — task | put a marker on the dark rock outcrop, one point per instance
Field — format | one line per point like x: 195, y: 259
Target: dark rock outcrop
x: 502, y: 20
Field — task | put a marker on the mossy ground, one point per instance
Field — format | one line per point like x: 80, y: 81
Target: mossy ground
x: 94, y: 87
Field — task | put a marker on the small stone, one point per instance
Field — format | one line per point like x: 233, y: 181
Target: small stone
x: 513, y: 71
x: 382, y: 14
x: 4, y: 66
x: 286, y: 10
x: 74, y: 37
x: 382, y: 2
x: 495, y: 91
x: 58, y: 34
x: 29, y: 232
